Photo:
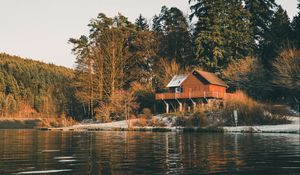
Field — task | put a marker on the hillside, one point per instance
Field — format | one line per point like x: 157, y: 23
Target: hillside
x: 31, y: 88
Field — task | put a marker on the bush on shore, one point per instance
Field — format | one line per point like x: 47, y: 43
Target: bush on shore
x: 218, y: 113
x: 150, y: 122
x: 61, y: 121
x: 197, y: 119
x: 251, y: 112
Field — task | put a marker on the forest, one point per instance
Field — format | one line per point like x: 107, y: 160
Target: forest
x: 252, y: 44
x: 34, y: 89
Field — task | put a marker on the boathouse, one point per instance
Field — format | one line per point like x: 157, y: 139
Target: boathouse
x: 188, y: 90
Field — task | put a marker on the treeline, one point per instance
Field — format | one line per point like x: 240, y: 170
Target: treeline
x: 34, y: 89
x: 252, y: 43
x: 121, y: 64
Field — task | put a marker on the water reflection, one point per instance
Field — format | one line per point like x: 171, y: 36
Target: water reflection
x: 31, y: 151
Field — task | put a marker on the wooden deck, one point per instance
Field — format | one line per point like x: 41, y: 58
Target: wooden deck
x: 193, y: 95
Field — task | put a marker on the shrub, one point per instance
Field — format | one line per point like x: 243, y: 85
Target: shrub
x: 156, y: 123
x: 198, y: 119
x: 140, y: 122
x: 62, y: 121
x: 250, y: 75
x: 287, y: 70
x: 250, y: 112
x: 145, y: 95
x: 143, y: 121
x: 180, y: 121
x: 147, y: 112
x: 278, y: 109
x: 122, y: 104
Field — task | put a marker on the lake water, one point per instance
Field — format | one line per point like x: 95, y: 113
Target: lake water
x: 48, y: 152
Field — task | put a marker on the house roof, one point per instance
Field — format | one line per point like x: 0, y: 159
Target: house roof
x: 177, y: 80
x: 211, y: 78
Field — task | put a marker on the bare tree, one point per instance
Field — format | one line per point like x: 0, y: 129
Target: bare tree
x: 287, y: 73
x: 166, y: 70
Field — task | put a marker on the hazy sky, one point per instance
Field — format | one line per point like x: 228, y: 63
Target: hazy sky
x: 40, y: 29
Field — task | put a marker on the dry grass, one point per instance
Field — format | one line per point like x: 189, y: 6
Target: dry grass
x: 141, y: 122
x: 156, y: 123
x: 27, y: 117
x: 250, y: 112
x: 36, y: 122
x: 61, y: 121
x: 145, y: 121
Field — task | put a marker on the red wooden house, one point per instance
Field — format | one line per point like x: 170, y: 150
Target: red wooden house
x: 186, y: 90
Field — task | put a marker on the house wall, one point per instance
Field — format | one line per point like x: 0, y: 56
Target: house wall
x: 216, y: 88
x: 193, y: 84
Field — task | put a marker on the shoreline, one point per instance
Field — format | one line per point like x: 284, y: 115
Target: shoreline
x: 32, y: 123
x: 294, y: 127
x: 19, y: 123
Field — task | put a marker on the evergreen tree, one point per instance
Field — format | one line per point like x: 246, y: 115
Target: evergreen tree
x: 2, y: 94
x: 27, y: 85
x: 296, y: 28
x: 278, y: 38
x: 156, y: 25
x: 172, y: 30
x: 141, y: 23
x: 238, y: 32
x: 143, y: 48
x: 222, y: 33
x: 261, y: 16
x: 209, y: 40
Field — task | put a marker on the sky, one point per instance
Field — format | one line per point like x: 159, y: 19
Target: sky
x: 40, y: 29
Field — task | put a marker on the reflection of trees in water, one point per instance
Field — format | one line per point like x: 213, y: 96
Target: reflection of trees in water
x: 171, y: 153
x: 174, y: 153
x: 129, y: 152
x: 142, y: 152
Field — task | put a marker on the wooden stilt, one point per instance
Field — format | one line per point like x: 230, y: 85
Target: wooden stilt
x: 167, y: 106
x: 180, y: 106
x: 194, y: 105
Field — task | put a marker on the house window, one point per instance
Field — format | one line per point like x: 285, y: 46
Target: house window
x: 178, y: 90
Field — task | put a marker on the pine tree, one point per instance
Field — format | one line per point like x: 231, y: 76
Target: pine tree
x: 238, y: 33
x: 278, y: 38
x: 172, y: 30
x: 222, y: 33
x: 2, y: 82
x: 209, y: 40
x: 296, y: 28
x: 83, y: 81
x: 143, y: 48
x: 141, y: 23
x: 156, y: 25
x: 2, y: 94
x: 26, y: 87
x: 261, y: 15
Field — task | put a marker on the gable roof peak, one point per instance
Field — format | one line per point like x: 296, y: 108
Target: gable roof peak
x: 211, y: 78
